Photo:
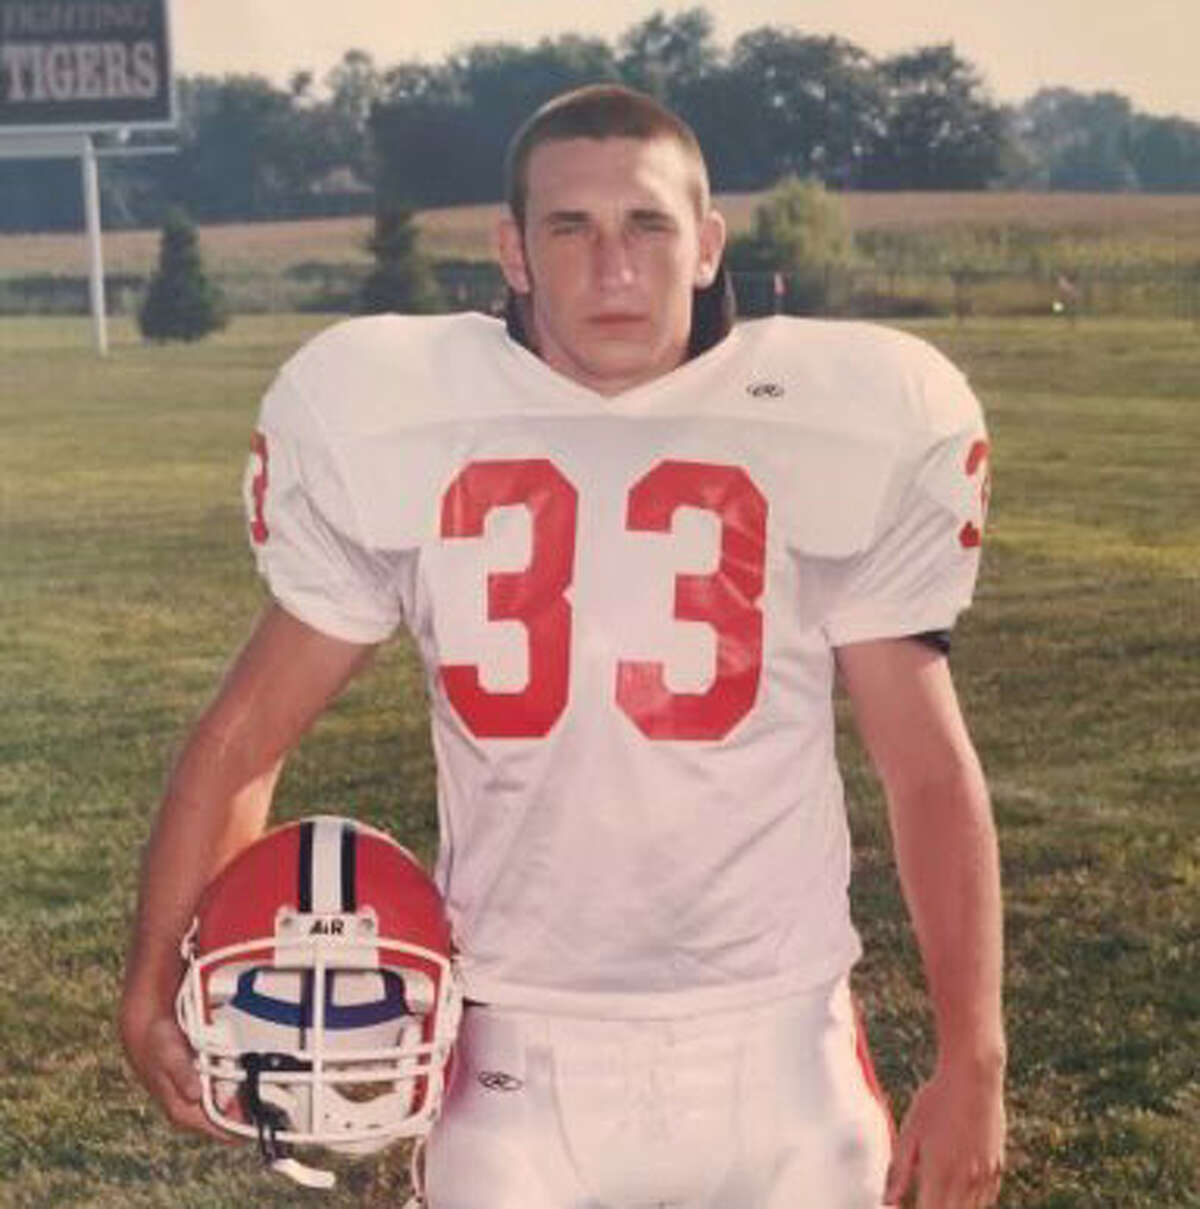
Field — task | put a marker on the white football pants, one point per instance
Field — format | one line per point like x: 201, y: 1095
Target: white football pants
x: 772, y: 1107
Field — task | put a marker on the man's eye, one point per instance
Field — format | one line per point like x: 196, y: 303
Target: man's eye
x: 655, y: 223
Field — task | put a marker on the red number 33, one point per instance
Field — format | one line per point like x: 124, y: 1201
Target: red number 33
x: 727, y: 599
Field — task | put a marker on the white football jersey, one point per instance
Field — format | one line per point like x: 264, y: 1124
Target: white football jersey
x: 627, y: 609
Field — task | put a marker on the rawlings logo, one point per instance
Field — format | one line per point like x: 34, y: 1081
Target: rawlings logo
x: 765, y: 390
x: 497, y: 1080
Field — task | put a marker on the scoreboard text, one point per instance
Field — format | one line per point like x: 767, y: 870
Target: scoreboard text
x: 84, y: 63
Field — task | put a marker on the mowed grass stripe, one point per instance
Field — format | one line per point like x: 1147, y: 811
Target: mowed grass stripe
x: 127, y: 584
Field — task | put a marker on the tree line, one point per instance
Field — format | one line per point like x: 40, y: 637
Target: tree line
x: 777, y: 103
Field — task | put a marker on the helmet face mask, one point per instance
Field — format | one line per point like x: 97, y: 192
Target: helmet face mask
x: 319, y: 995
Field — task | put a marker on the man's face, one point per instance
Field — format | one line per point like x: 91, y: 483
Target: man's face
x: 612, y: 249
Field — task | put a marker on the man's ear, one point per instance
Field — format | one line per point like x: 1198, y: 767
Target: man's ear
x: 510, y: 246
x: 712, y: 245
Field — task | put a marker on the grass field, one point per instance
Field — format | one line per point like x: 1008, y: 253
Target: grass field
x: 126, y: 583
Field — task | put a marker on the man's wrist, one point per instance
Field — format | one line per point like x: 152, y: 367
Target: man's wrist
x: 980, y: 1059
x: 150, y: 990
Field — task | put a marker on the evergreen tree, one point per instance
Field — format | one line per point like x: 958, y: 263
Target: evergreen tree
x: 402, y: 279
x: 181, y: 304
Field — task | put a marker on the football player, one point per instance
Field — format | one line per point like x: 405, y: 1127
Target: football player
x: 635, y: 546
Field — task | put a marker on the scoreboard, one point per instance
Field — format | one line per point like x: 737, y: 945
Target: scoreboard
x: 84, y: 64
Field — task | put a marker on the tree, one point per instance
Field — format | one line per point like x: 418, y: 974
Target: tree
x: 940, y: 130
x: 505, y: 83
x: 1165, y: 153
x: 717, y: 109
x: 402, y: 279
x: 1079, y: 140
x: 181, y: 304
x: 810, y: 106
x: 249, y: 150
x: 356, y: 86
x: 237, y: 154
x: 800, y: 232
x: 41, y: 195
x: 665, y: 56
x: 439, y: 136
x: 428, y: 149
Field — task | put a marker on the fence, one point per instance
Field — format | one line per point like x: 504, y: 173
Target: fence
x: 851, y: 293
x: 886, y: 293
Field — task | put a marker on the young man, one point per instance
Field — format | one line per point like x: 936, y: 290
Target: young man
x: 633, y: 547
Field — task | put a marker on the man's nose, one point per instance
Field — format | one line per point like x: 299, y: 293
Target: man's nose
x: 612, y: 261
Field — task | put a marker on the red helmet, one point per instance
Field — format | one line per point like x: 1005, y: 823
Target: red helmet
x: 320, y: 996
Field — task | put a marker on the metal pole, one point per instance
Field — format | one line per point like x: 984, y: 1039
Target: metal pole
x: 91, y: 208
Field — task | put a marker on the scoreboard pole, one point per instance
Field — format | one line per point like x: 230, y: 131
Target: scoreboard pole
x: 81, y: 147
x: 91, y: 210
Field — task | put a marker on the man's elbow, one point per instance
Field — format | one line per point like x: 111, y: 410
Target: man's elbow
x: 220, y: 757
x: 954, y: 782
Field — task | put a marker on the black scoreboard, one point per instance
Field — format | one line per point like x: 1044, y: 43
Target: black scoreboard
x: 85, y: 64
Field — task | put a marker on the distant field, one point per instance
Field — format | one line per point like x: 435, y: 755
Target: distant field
x: 126, y: 584
x: 1120, y: 227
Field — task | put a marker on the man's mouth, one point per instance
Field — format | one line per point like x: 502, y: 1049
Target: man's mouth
x: 616, y: 319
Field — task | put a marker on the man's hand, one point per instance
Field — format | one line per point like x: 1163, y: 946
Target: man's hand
x: 951, y: 1144
x: 162, y: 1059
x: 217, y: 801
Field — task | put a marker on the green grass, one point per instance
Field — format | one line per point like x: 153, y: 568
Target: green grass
x: 126, y: 584
x: 1080, y: 670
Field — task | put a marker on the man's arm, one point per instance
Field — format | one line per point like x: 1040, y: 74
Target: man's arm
x: 945, y: 844
x: 216, y: 802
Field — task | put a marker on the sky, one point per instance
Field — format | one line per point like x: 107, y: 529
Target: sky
x: 1145, y: 49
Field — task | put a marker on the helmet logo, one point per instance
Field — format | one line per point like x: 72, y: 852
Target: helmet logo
x: 328, y: 927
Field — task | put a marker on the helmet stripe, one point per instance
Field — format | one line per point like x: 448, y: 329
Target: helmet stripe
x: 328, y: 866
x: 282, y: 1007
x: 304, y: 872
x: 349, y: 872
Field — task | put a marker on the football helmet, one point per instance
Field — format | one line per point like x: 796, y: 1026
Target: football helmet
x: 319, y: 995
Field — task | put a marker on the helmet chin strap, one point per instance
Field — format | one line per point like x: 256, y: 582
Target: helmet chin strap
x: 309, y: 1177
x: 268, y: 1108
x: 271, y: 1108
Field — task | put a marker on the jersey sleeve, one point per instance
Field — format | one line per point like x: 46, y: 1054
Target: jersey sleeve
x: 303, y: 528
x: 919, y: 573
